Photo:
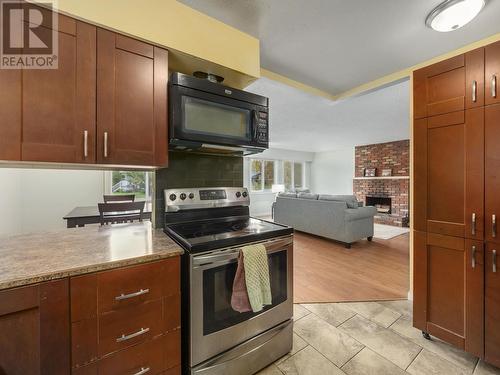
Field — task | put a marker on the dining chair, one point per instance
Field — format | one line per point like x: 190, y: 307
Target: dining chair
x: 119, y: 198
x: 120, y: 212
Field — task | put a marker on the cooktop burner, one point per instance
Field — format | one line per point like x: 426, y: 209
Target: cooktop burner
x: 205, y: 235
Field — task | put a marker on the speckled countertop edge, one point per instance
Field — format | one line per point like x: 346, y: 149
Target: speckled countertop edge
x: 12, y: 256
x: 86, y: 269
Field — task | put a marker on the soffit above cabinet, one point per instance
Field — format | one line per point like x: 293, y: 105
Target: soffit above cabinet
x: 195, y: 41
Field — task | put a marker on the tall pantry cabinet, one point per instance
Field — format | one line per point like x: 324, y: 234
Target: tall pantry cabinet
x: 457, y: 201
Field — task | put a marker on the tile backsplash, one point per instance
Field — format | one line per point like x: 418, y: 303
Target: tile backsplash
x: 196, y: 170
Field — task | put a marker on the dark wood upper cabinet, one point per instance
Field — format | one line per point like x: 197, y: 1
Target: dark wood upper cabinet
x: 439, y: 88
x: 474, y: 78
x: 10, y: 112
x: 492, y: 73
x: 58, y: 105
x: 105, y: 103
x: 131, y: 101
x: 34, y: 322
x: 492, y: 304
x: 448, y: 289
x: 448, y: 175
x: 492, y: 172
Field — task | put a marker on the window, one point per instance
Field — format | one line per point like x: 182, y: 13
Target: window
x: 262, y: 176
x: 297, y: 175
x: 256, y: 175
x: 293, y: 175
x: 288, y: 175
x: 268, y: 174
x: 132, y: 182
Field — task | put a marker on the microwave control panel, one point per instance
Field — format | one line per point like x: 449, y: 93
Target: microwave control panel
x: 262, y: 128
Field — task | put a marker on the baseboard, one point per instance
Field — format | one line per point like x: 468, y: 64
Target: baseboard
x: 410, y: 296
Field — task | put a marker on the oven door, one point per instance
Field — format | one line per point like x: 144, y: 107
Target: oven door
x: 199, y: 116
x: 215, y: 326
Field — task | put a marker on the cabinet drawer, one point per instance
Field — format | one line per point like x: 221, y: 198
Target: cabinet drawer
x: 129, y: 326
x: 148, y: 355
x: 134, y: 285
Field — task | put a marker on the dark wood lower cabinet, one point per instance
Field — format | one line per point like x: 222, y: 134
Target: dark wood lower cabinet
x: 448, y: 289
x: 492, y: 304
x: 35, y: 330
x: 57, y: 328
x: 126, y: 320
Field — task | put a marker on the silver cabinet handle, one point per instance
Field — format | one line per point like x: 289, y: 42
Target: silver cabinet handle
x: 85, y: 143
x: 474, y: 91
x: 105, y: 144
x: 494, y: 261
x: 494, y: 86
x: 473, y: 228
x: 131, y: 295
x: 143, y: 370
x: 473, y: 256
x: 493, y: 225
x: 125, y: 337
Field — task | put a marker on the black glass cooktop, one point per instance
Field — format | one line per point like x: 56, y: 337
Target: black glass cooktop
x: 204, y: 235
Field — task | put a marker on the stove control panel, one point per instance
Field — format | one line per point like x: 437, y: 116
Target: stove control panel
x: 196, y: 198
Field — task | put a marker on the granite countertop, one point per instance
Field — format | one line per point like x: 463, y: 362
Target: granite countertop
x: 32, y: 258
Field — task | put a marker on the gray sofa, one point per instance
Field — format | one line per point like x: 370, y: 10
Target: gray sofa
x: 338, y: 217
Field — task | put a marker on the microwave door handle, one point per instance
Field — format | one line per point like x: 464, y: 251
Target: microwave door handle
x: 255, y: 124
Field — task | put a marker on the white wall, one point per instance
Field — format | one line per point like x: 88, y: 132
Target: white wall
x: 332, y: 172
x: 37, y: 199
x: 10, y: 202
x: 261, y: 202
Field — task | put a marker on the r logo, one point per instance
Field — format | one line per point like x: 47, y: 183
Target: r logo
x: 29, y: 35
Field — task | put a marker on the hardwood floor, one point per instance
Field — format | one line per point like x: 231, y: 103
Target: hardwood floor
x: 325, y: 271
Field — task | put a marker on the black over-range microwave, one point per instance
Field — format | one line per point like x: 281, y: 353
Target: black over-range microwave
x: 210, y: 117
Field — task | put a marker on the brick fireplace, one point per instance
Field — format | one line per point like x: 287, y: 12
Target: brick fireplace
x: 390, y: 194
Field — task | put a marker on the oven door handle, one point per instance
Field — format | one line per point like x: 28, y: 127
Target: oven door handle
x: 229, y: 256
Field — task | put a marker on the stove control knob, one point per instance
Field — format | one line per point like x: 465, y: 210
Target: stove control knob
x: 245, y: 194
x: 238, y: 194
x: 191, y: 195
x: 183, y: 196
x: 172, y: 197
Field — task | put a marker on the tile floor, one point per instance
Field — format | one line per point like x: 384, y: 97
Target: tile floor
x: 368, y: 338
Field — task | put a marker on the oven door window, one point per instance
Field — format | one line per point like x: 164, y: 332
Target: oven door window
x: 217, y: 290
x: 215, y: 119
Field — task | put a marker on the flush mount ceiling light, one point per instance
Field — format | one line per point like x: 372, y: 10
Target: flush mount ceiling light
x: 451, y: 15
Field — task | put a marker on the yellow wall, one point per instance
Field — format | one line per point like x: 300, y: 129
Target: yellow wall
x: 191, y: 36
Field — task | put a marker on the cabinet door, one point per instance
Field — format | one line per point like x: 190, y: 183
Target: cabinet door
x: 131, y: 101
x: 474, y: 78
x: 492, y: 304
x: 447, y: 289
x: 34, y: 326
x: 439, y: 88
x: 492, y: 73
x: 492, y: 171
x: 58, y: 105
x: 474, y: 292
x: 10, y: 110
x: 449, y: 169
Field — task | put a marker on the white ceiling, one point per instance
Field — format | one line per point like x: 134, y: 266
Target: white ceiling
x: 304, y: 122
x: 335, y: 45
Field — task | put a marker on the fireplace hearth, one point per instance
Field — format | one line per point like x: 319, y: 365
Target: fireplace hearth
x: 382, y: 204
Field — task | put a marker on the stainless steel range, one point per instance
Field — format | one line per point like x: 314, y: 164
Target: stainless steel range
x: 212, y: 224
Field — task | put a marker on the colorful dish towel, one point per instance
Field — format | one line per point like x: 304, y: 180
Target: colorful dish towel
x: 257, y: 276
x: 239, y: 298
